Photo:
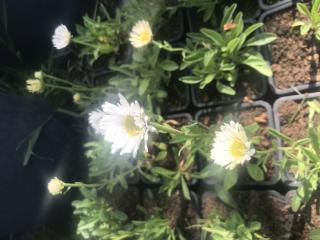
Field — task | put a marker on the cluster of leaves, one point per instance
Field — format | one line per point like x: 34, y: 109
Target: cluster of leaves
x: 156, y: 227
x: 232, y: 228
x: 311, y: 21
x: 301, y: 157
x: 98, y: 220
x: 148, y: 74
x: 99, y: 36
x: 175, y: 163
x: 216, y: 55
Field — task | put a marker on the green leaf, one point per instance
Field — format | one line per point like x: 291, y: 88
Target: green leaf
x: 208, y: 57
x: 255, y: 226
x: 227, y: 14
x: 257, y: 62
x: 225, y: 196
x: 313, y: 134
x: 304, y: 29
x: 225, y: 89
x: 144, y: 84
x: 190, y: 79
x: 261, y: 39
x: 208, y: 79
x: 230, y: 178
x: 169, y: 65
x: 214, y: 36
x: 297, y: 23
x: 255, y: 172
x: 162, y: 171
x: 278, y: 134
x: 295, y: 203
x: 185, y: 189
x: 303, y: 9
x: 252, y: 28
x: 315, y: 234
x: 31, y: 142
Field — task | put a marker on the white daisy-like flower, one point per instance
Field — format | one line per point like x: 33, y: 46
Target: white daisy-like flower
x: 141, y: 34
x: 34, y: 85
x: 124, y: 125
x: 55, y: 186
x: 61, y: 37
x: 231, y: 146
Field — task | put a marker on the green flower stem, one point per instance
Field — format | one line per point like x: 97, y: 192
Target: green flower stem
x: 83, y: 43
x: 69, y: 89
x: 166, y: 128
x: 99, y: 185
x: 68, y: 112
x: 58, y: 79
x: 167, y: 46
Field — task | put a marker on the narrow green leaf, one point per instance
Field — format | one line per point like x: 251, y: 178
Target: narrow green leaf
x: 214, y: 36
x: 230, y: 178
x: 261, y: 39
x: 303, y: 9
x: 255, y: 172
x: 185, y: 189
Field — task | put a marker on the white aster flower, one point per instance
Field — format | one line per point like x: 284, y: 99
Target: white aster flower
x: 231, y: 146
x: 124, y: 125
x: 55, y: 186
x: 61, y: 37
x: 141, y: 34
x: 34, y: 85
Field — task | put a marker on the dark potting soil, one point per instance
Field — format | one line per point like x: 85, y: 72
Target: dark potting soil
x: 178, y: 94
x: 293, y: 117
x: 125, y: 200
x: 249, y: 84
x: 211, y: 204
x: 295, y: 58
x: 180, y: 212
x: 306, y: 221
x: 247, y: 117
x: 270, y: 210
x: 249, y: 8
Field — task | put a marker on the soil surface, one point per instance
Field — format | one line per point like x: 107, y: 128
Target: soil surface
x: 295, y: 58
x: 267, y: 208
x: 178, y: 95
x: 125, y: 200
x: 180, y: 212
x: 293, y: 117
x: 247, y: 117
x: 249, y: 84
x: 211, y: 204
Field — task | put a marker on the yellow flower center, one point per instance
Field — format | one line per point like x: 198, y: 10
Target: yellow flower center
x: 130, y: 126
x: 237, y: 148
x: 145, y: 36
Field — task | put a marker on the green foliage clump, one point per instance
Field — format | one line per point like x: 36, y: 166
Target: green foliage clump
x: 98, y: 220
x: 216, y: 55
x: 99, y: 36
x: 148, y: 74
x: 302, y: 158
x: 232, y: 228
x: 311, y: 21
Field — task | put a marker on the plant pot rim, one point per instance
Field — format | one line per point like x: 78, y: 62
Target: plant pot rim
x: 266, y: 52
x: 287, y: 178
x: 273, y: 179
x: 266, y: 7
